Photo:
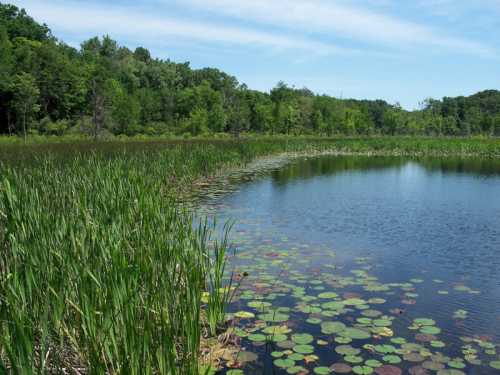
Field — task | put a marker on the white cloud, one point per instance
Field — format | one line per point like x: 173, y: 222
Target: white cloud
x: 341, y: 19
x: 77, y: 18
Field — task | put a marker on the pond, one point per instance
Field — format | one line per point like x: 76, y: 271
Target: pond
x: 367, y: 265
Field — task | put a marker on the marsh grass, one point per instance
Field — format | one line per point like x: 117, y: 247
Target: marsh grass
x: 100, y: 268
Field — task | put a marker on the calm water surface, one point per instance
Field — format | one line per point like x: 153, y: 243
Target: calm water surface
x: 405, y: 251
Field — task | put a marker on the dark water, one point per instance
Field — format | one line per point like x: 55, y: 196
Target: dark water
x: 409, y: 239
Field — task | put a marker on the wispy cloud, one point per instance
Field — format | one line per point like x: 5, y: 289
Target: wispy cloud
x: 340, y: 19
x: 134, y: 23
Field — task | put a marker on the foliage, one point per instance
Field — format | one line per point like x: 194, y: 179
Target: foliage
x: 127, y: 92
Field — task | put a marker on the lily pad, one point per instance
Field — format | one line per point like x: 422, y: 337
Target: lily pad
x: 302, y: 338
x: 373, y: 363
x: 424, y: 322
x: 495, y: 365
x: 354, y: 302
x: 355, y: 334
x: 392, y: 359
x: 321, y: 370
x: 329, y: 328
x: 257, y: 337
x: 284, y: 363
x: 363, y: 370
x: 244, y: 315
x: 296, y: 370
x: 328, y: 295
x: 456, y: 364
x: 347, y: 350
x: 430, y: 330
x: 296, y: 356
x: 341, y: 368
x: 303, y: 349
x: 353, y: 359
x: 388, y: 370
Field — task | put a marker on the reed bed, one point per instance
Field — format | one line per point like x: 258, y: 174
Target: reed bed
x: 102, y: 271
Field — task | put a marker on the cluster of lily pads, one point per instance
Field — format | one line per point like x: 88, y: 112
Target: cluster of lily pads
x: 302, y: 315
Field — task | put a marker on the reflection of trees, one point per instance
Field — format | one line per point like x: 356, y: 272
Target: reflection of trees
x: 330, y: 165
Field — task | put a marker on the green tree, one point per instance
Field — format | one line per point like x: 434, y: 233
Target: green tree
x: 450, y: 125
x: 496, y: 125
x: 125, y: 109
x: 318, y: 123
x: 197, y: 124
x: 6, y: 59
x: 26, y: 95
x: 217, y: 118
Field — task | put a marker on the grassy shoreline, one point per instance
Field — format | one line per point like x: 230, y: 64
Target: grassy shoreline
x: 101, y: 269
x: 380, y: 145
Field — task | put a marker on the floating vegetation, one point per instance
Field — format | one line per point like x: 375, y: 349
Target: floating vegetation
x: 350, y: 326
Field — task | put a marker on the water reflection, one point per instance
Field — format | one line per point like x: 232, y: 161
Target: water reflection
x: 434, y: 221
x: 324, y: 166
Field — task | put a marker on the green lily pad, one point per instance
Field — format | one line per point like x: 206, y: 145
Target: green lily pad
x: 257, y: 337
x: 354, y: 302
x: 373, y: 363
x: 362, y: 370
x: 321, y: 370
x: 382, y: 322
x: 353, y: 359
x: 244, y: 315
x: 342, y: 340
x: 328, y: 295
x: 430, y: 330
x: 398, y: 340
x: 392, y: 359
x: 302, y: 338
x: 385, y: 349
x: 495, y: 365
x: 456, y: 364
x: 284, y: 363
x: 296, y: 370
x: 329, y: 328
x: 424, y: 322
x: 347, y: 350
x: 303, y: 349
x: 314, y: 321
x: 437, y: 344
x: 296, y: 356
x: 278, y: 338
x: 333, y: 305
x: 355, y: 334
x: 274, y: 317
x: 259, y: 305
x: 276, y: 330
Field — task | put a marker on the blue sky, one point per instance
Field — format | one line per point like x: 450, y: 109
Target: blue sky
x: 397, y: 50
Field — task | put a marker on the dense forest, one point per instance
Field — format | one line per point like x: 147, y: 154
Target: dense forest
x: 48, y: 87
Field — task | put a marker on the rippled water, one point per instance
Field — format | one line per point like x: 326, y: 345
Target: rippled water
x: 409, y: 239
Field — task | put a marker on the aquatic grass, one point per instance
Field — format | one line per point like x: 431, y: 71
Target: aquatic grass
x: 100, y: 269
x: 219, y: 294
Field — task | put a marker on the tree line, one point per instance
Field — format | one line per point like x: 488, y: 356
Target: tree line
x: 48, y: 87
